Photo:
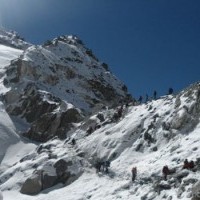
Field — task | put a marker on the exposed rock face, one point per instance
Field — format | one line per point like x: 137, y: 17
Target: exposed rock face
x: 48, y: 115
x: 52, y: 124
x: 60, y: 172
x: 48, y: 181
x: 28, y: 102
x: 186, y: 114
x: 39, y: 181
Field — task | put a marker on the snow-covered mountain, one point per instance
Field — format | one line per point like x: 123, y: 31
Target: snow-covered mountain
x: 53, y: 95
x: 54, y: 85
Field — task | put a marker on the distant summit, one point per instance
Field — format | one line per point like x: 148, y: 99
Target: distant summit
x: 12, y: 39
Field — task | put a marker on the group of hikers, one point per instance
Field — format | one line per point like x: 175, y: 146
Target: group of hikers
x: 186, y: 165
x: 102, y: 166
x: 190, y: 165
x: 170, y: 91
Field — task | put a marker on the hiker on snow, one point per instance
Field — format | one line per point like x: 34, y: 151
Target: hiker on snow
x: 155, y: 95
x: 134, y: 173
x: 170, y: 91
x: 73, y: 141
x: 117, y: 115
x: 98, y: 165
x: 119, y: 111
x: 89, y: 130
x: 147, y: 98
x: 188, y: 165
x: 165, y: 172
x: 140, y: 99
x: 191, y: 164
x: 106, y: 166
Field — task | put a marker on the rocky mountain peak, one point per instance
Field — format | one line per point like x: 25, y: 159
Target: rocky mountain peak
x: 70, y: 74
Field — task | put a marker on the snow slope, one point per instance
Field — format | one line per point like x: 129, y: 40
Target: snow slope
x: 6, y: 55
x: 126, y: 144
x: 8, y: 134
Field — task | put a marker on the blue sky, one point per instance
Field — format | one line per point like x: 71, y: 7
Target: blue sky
x: 149, y: 44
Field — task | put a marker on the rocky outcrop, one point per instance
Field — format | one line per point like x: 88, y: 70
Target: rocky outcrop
x: 48, y: 116
x: 59, y: 172
x: 53, y: 124
x: 31, y: 103
x: 32, y: 185
x: 187, y: 109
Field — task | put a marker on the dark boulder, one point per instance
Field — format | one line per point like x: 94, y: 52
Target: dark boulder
x: 32, y: 185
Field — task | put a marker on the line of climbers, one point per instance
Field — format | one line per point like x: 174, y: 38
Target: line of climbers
x: 186, y: 165
x: 102, y: 166
x: 120, y: 110
x: 166, y: 171
x: 140, y: 99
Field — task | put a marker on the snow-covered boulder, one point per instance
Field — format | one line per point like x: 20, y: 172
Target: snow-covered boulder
x: 68, y: 170
x: 64, y: 170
